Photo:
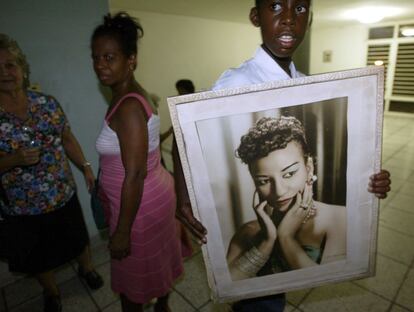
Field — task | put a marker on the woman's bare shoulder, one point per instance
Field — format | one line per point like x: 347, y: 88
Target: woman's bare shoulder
x: 330, y: 214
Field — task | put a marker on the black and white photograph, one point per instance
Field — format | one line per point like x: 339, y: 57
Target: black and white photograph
x: 297, y: 187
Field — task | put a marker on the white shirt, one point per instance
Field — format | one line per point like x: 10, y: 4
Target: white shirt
x: 260, y: 68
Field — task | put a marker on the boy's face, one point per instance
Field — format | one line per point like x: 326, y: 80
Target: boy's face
x: 283, y: 24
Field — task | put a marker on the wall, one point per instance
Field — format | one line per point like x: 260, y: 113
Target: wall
x: 175, y: 47
x: 55, y: 38
x: 348, y: 46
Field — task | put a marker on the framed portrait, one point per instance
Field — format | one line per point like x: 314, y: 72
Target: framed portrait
x: 278, y: 174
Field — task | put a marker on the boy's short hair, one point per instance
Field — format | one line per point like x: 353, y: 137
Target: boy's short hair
x: 257, y: 3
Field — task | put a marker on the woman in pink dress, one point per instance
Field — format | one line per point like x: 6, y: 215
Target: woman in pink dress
x: 145, y: 250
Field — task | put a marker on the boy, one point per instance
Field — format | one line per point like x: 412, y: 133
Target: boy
x: 283, y: 25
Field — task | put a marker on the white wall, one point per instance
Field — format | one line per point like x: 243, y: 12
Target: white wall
x: 348, y: 46
x: 175, y: 47
x: 54, y: 35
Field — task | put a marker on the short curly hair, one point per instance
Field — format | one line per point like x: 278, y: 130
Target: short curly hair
x: 270, y: 134
x: 9, y: 44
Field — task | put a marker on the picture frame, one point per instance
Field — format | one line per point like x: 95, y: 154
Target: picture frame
x: 342, y: 117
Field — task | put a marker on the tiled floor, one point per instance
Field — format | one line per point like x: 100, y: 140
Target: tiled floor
x: 392, y: 289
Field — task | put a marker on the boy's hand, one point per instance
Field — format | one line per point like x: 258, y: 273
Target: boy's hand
x: 379, y: 184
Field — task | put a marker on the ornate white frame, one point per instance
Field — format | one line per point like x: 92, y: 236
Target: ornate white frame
x: 364, y: 89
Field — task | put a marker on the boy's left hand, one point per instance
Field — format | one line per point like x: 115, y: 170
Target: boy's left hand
x: 379, y: 184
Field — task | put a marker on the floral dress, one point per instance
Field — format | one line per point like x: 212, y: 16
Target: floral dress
x: 47, y: 185
x: 45, y: 226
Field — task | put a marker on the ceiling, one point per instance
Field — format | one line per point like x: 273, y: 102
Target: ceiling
x: 325, y: 11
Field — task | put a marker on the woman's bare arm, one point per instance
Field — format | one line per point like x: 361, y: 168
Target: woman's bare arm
x: 130, y: 124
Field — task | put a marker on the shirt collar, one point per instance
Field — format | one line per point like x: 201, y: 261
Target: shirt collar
x: 271, y: 67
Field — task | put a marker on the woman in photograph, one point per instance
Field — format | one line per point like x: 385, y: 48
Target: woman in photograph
x: 292, y: 230
x: 144, y: 246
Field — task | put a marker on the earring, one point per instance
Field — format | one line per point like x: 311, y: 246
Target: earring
x: 312, y: 179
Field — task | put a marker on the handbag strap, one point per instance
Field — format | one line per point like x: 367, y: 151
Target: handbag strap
x: 97, y: 180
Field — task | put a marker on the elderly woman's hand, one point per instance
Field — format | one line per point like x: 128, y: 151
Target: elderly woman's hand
x: 27, y: 156
x: 89, y: 178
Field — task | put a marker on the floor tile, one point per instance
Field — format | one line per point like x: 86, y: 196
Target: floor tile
x: 395, y: 245
x: 388, y: 278
x: 399, y: 220
x: 104, y: 296
x: 397, y: 184
x: 296, y: 297
x: 178, y: 303
x: 75, y: 297
x: 114, y: 307
x: 216, y: 307
x: 402, y: 202
x: 410, y: 177
x: 7, y: 277
x: 289, y: 308
x: 193, y: 285
x: 21, y: 291
x: 407, y: 188
x: 397, y: 163
x: 343, y: 297
x: 100, y: 254
x: 396, y: 308
x: 32, y: 305
x: 27, y: 288
x: 406, y: 153
x: 405, y: 296
x: 397, y: 171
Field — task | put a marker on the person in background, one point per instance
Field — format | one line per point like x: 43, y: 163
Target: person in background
x: 45, y: 226
x: 283, y: 25
x: 184, y: 86
x: 144, y: 246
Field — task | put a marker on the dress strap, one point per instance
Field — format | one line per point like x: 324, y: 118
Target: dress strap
x: 139, y: 97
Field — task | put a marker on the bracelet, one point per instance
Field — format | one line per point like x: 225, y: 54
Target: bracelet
x: 252, y: 261
x: 86, y: 164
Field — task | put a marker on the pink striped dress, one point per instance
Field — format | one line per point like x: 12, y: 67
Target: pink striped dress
x: 155, y: 260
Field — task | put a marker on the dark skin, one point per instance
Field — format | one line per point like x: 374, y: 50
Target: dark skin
x: 283, y: 25
x: 114, y: 69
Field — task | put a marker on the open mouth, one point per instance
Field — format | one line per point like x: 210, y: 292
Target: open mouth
x: 286, y: 40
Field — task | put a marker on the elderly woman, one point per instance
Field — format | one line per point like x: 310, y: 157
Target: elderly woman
x: 43, y: 215
x: 292, y: 230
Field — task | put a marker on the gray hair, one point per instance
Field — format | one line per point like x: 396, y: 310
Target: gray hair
x: 9, y: 44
